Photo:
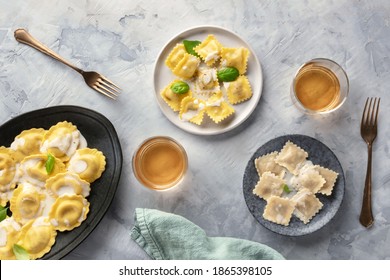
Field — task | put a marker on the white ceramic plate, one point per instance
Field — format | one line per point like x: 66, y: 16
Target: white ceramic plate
x: 163, y: 76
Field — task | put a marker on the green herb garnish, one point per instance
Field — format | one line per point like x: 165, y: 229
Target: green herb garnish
x: 286, y: 188
x: 3, y: 213
x: 190, y: 45
x: 227, y: 74
x: 20, y: 252
x: 49, y: 163
x: 180, y: 87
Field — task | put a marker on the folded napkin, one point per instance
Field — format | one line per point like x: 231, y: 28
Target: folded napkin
x: 166, y: 236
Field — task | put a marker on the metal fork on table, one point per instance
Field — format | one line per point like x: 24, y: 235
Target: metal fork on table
x: 368, y: 130
x: 94, y: 80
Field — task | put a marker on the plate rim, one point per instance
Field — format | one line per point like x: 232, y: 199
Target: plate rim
x: 342, y: 175
x: 227, y: 128
x: 114, y: 180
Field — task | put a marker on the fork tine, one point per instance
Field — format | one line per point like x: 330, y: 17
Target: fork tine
x: 372, y: 111
x: 103, y: 92
x: 107, y: 90
x: 364, y: 116
x: 369, y: 112
x: 108, y: 81
x: 101, y: 81
x: 376, y: 114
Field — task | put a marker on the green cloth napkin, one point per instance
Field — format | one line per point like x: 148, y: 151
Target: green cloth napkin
x: 166, y: 236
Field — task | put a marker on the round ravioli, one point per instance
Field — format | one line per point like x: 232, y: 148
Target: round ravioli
x: 37, y: 237
x: 7, y: 170
x: 88, y: 163
x: 27, y: 203
x: 5, y: 197
x: 67, y: 183
x: 61, y: 140
x: 28, y: 142
x: 33, y: 169
x: 68, y: 212
x: 9, y: 235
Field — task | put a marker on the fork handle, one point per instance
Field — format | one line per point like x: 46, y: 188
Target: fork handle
x: 366, y: 217
x: 22, y: 36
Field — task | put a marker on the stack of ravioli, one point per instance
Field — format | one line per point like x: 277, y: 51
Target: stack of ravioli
x: 290, y: 184
x: 44, y: 201
x: 207, y: 95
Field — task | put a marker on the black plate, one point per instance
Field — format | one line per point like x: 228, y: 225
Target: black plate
x: 100, y: 134
x: 320, y: 154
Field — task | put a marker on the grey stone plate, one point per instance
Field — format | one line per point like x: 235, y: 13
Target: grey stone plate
x: 100, y: 134
x: 318, y: 154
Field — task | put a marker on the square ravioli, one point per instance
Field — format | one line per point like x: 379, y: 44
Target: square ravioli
x: 209, y: 50
x: 235, y: 57
x: 330, y: 177
x: 308, y: 178
x: 307, y: 205
x: 175, y: 56
x: 279, y: 210
x: 173, y: 99
x: 239, y: 90
x: 269, y: 185
x: 206, y: 81
x: 187, y: 66
x: 267, y: 163
x: 291, y: 156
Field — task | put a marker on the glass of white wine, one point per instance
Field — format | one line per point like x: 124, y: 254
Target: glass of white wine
x: 160, y: 163
x: 320, y: 86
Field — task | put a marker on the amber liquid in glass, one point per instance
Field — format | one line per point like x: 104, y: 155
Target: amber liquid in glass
x: 317, y: 88
x: 160, y: 163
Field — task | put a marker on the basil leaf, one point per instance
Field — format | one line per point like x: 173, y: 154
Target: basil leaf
x: 3, y: 213
x: 227, y: 74
x: 286, y: 188
x: 180, y: 87
x: 190, y: 45
x: 20, y: 252
x: 49, y: 163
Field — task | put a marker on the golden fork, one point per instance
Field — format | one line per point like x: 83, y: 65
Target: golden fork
x: 368, y: 130
x: 94, y: 80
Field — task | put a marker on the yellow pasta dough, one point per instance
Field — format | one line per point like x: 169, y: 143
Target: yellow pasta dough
x: 87, y: 163
x: 8, y: 175
x: 33, y: 169
x: 175, y: 56
x: 192, y: 110
x: 68, y: 212
x: 217, y: 109
x: 209, y: 50
x: 235, y: 57
x: 187, y: 66
x: 202, y: 75
x: 27, y: 203
x: 206, y: 81
x: 9, y: 235
x: 238, y: 90
x: 61, y: 140
x: 41, y: 191
x: 37, y: 237
x: 67, y: 183
x: 173, y: 99
x: 28, y: 142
